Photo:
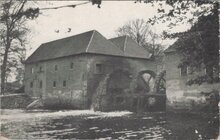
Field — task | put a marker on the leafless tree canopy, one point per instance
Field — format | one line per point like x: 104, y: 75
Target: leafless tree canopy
x: 12, y: 37
x: 141, y: 32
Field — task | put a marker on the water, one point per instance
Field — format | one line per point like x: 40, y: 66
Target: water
x: 87, y: 124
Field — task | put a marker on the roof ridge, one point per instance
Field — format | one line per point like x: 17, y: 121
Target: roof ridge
x: 115, y: 45
x: 109, y: 40
x: 130, y: 47
x: 90, y: 41
x: 67, y: 37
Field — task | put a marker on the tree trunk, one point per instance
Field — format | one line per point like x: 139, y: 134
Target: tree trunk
x: 3, y: 70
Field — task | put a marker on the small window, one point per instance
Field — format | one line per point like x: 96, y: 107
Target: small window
x: 209, y: 71
x: 32, y: 70
x: 135, y: 102
x: 64, y: 83
x: 31, y: 85
x: 41, y: 84
x: 71, y: 65
x: 55, y: 68
x: 215, y: 71
x: 54, y: 84
x: 119, y: 100
x: 99, y: 68
x: 183, y: 71
x: 40, y: 69
x: 189, y: 70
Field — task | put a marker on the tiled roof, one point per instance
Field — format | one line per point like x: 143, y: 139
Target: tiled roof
x: 173, y: 47
x: 130, y: 47
x: 88, y: 42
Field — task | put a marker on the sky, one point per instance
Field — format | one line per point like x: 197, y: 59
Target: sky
x: 106, y: 20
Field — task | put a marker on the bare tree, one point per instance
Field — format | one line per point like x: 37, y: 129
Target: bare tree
x: 13, y: 18
x: 140, y: 31
x: 154, y: 44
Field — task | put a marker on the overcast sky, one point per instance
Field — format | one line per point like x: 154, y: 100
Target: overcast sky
x: 87, y: 17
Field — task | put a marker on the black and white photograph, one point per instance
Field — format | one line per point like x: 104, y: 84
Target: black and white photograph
x: 109, y: 69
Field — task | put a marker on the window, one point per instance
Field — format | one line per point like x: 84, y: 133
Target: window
x: 99, y: 68
x: 40, y: 69
x: 64, y: 83
x: 54, y: 84
x: 189, y: 70
x: 209, y: 71
x: 55, y: 68
x: 215, y: 72
x: 31, y: 85
x: 41, y: 84
x: 119, y: 100
x: 135, y: 102
x: 183, y: 71
x: 32, y: 70
x: 71, y: 65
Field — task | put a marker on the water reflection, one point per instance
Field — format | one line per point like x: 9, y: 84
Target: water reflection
x: 114, y: 125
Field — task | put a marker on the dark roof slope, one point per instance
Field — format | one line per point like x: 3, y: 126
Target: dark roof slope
x: 119, y: 42
x: 99, y: 44
x: 130, y: 47
x: 88, y: 42
x: 171, y: 48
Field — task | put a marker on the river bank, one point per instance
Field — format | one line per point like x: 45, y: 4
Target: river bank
x: 22, y: 101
